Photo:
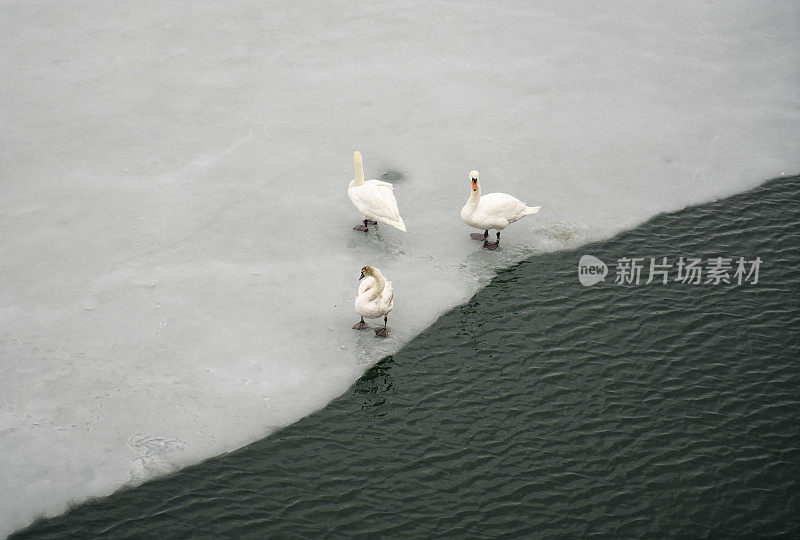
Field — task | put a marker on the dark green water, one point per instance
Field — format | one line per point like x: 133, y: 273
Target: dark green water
x: 540, y: 408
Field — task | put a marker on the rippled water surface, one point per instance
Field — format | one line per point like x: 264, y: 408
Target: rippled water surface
x: 541, y: 407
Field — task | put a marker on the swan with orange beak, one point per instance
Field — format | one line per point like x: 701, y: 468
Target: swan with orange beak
x: 492, y: 211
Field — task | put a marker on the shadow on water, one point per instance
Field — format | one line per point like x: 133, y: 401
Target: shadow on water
x: 540, y: 407
x: 375, y: 384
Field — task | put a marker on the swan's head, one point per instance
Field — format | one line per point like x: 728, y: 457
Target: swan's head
x: 370, y: 271
x: 366, y: 271
x: 473, y: 176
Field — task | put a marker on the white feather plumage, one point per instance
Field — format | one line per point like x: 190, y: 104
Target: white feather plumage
x: 374, y: 198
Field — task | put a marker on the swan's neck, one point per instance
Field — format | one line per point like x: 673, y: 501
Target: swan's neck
x: 474, y: 196
x: 359, y: 180
x: 380, y: 283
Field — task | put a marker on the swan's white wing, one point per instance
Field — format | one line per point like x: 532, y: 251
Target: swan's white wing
x: 375, y: 199
x: 365, y: 284
x: 380, y: 183
x: 387, y: 297
x: 376, y: 307
x: 502, y: 205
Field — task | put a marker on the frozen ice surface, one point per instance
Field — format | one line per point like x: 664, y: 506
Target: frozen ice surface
x: 177, y: 256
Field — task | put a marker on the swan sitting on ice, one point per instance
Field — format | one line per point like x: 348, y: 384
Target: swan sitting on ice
x: 375, y: 299
x: 492, y: 211
x: 374, y: 199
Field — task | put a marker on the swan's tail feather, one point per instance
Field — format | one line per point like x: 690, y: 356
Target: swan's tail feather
x: 399, y: 224
x: 532, y: 210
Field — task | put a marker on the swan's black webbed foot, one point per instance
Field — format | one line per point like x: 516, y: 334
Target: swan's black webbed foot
x: 383, y: 332
x: 479, y: 236
x: 492, y: 245
x: 360, y: 325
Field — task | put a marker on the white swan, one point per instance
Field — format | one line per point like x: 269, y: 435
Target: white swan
x: 492, y: 211
x: 374, y: 199
x: 375, y: 299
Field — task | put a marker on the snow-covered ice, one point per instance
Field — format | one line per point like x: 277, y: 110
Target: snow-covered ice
x: 177, y: 259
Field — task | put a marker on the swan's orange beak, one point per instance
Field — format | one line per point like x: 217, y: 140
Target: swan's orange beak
x: 474, y: 185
